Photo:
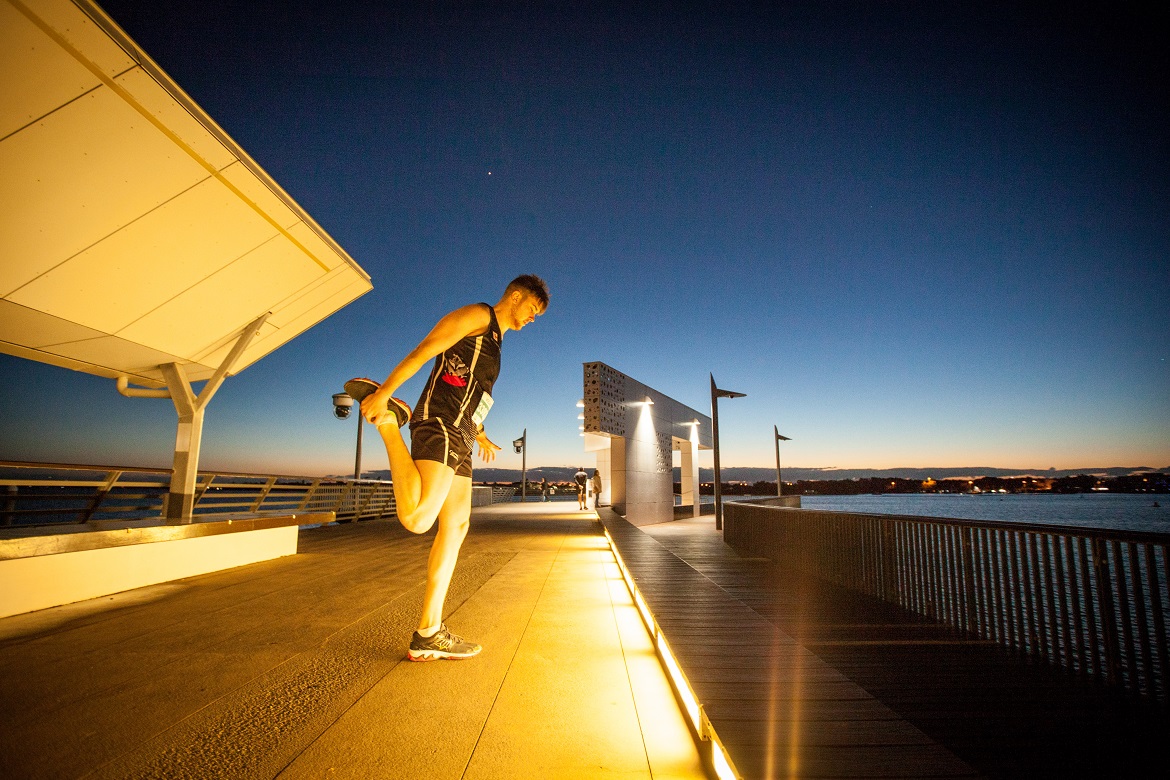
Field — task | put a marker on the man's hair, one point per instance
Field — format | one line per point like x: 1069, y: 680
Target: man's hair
x: 531, y: 284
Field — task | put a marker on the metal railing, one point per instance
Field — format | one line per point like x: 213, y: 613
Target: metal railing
x: 1094, y: 602
x: 501, y: 494
x: 38, y: 494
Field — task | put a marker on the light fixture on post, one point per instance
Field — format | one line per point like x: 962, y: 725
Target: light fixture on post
x: 716, y: 394
x: 521, y: 447
x: 342, y: 406
x: 779, y: 438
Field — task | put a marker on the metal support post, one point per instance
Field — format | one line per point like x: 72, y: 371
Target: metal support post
x: 180, y: 504
x: 357, y: 462
x: 521, y: 447
x: 779, y: 438
x: 716, y: 394
x: 188, y: 438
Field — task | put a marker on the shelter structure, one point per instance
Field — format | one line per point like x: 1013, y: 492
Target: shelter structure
x: 139, y: 242
x: 634, y: 431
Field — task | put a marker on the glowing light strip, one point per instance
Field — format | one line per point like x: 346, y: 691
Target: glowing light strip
x: 720, y: 760
x: 644, y: 608
x: 722, y: 763
x: 680, y: 683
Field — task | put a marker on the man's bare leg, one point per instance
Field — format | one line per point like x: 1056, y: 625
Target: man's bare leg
x: 433, y: 641
x: 420, y: 487
x: 454, y: 518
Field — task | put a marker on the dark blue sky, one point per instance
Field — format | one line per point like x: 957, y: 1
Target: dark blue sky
x: 912, y: 233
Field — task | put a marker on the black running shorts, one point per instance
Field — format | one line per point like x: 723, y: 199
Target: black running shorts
x: 434, y: 440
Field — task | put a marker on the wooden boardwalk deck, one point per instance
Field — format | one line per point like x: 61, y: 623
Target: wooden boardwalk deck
x: 972, y: 702
x: 778, y: 709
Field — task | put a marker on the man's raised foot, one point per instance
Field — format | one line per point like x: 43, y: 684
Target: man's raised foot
x: 361, y: 387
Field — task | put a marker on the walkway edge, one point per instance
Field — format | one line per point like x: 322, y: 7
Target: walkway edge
x: 732, y: 690
x: 718, y: 757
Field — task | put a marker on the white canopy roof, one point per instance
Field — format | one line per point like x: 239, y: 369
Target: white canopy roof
x: 133, y: 231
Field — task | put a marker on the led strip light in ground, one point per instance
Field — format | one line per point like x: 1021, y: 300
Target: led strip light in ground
x: 720, y: 760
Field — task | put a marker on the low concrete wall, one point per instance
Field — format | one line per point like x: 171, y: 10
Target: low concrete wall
x: 792, y: 502
x: 48, y: 570
x: 683, y: 512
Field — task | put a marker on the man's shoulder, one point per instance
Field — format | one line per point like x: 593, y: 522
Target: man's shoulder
x: 474, y: 317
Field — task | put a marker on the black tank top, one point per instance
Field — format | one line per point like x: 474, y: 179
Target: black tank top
x: 459, y: 389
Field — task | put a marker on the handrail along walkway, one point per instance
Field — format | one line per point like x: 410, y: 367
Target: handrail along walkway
x: 40, y: 494
x: 1092, y: 601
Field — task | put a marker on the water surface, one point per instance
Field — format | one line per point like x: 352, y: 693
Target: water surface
x: 1120, y: 511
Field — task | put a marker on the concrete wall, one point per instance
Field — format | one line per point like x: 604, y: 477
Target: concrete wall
x: 689, y: 473
x: 47, y: 571
x: 604, y: 456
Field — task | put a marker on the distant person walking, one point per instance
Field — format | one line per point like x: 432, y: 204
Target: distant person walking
x: 543, y: 489
x: 582, y: 480
x: 596, y: 480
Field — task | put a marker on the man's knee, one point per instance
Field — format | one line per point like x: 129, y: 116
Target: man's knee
x: 417, y: 522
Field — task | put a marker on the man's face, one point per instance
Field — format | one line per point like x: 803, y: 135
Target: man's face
x: 525, y: 309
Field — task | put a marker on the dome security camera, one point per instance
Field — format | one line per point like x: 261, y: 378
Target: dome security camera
x: 342, y: 405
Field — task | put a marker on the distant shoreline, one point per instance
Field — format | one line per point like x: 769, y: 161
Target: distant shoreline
x: 795, y: 474
x: 1154, y: 483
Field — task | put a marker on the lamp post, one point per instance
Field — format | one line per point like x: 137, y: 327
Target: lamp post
x: 342, y: 406
x: 779, y: 438
x: 521, y: 447
x: 716, y: 394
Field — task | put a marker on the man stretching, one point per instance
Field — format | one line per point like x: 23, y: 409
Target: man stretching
x: 432, y: 480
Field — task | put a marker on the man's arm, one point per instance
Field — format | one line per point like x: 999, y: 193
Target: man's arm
x: 466, y: 321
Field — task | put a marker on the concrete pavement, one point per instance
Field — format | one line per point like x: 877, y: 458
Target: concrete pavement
x: 295, y: 668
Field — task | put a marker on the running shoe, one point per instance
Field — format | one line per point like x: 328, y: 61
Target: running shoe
x: 441, y: 645
x: 360, y: 388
